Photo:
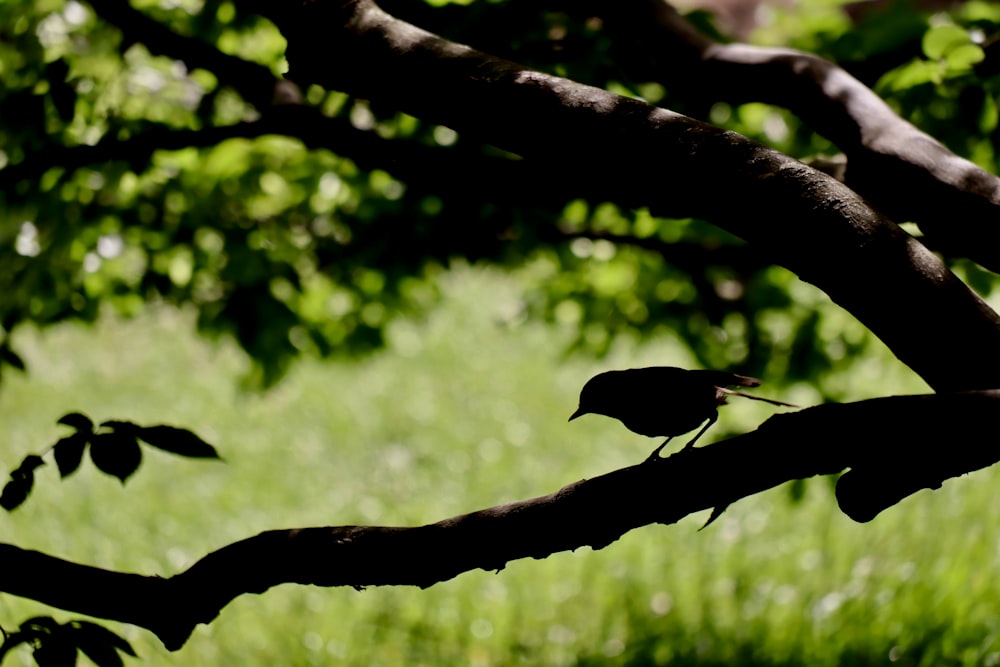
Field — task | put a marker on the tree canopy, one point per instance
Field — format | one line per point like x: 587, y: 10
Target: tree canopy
x: 156, y: 153
x: 298, y: 174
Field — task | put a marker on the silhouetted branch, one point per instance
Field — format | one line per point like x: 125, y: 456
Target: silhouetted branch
x: 893, y: 447
x: 902, y: 170
x: 623, y: 150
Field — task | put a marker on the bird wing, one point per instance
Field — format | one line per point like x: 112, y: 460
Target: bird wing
x: 724, y: 379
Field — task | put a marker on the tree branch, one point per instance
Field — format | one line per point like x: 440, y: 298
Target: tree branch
x: 623, y: 150
x: 891, y: 445
x: 902, y: 170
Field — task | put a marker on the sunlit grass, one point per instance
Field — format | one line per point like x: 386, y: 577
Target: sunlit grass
x: 464, y: 412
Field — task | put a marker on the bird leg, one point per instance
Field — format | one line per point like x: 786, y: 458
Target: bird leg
x: 656, y: 452
x: 711, y: 420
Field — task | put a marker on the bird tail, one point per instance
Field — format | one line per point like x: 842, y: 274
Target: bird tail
x: 733, y: 392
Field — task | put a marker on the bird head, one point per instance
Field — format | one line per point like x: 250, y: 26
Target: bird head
x: 594, y: 396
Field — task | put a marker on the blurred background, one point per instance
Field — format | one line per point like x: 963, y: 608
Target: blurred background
x: 370, y: 334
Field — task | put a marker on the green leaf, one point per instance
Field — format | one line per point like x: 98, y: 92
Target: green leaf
x: 177, y: 441
x: 941, y: 40
x: 117, y: 454
x: 910, y: 75
x: 69, y: 452
x: 989, y: 115
x: 962, y: 58
x: 78, y: 421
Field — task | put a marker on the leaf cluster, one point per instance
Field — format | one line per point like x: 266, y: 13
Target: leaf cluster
x: 58, y: 644
x: 114, y: 449
x: 133, y: 173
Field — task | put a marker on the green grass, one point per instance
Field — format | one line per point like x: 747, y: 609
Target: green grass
x: 464, y: 412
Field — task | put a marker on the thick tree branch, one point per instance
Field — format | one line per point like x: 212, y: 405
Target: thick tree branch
x: 465, y: 179
x: 905, y: 172
x: 891, y: 445
x: 626, y: 151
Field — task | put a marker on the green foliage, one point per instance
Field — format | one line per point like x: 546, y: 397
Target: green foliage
x: 293, y: 246
x: 129, y: 178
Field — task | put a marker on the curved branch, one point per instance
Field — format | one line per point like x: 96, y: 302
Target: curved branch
x: 902, y: 170
x: 891, y: 446
x: 638, y: 155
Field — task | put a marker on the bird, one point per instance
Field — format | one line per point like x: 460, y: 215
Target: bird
x: 663, y: 401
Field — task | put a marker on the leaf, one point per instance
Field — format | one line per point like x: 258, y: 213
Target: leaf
x: 16, y: 492
x: 69, y: 452
x: 99, y: 631
x: 940, y: 40
x: 177, y: 441
x: 910, y: 75
x: 117, y: 454
x: 55, y: 651
x: 40, y: 625
x: 121, y: 426
x: 28, y: 466
x: 962, y: 58
x: 100, y: 644
x: 13, y: 640
x: 22, y: 479
x: 11, y: 358
x: 78, y: 421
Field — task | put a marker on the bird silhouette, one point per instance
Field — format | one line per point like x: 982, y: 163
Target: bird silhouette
x: 663, y: 401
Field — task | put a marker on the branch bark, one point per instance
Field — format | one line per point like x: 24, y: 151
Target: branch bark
x: 891, y: 445
x: 626, y: 151
x: 905, y: 172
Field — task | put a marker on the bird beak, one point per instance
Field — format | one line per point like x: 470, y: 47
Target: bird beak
x: 579, y: 411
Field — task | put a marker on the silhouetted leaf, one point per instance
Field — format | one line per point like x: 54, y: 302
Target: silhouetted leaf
x: 118, y: 454
x: 16, y: 492
x: 55, y: 651
x: 100, y: 644
x: 54, y: 645
x: 177, y: 441
x: 39, y: 624
x: 102, y: 633
x: 78, y: 421
x: 22, y: 479
x: 11, y: 358
x: 28, y: 466
x: 69, y: 452
x: 13, y: 640
x: 122, y: 426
